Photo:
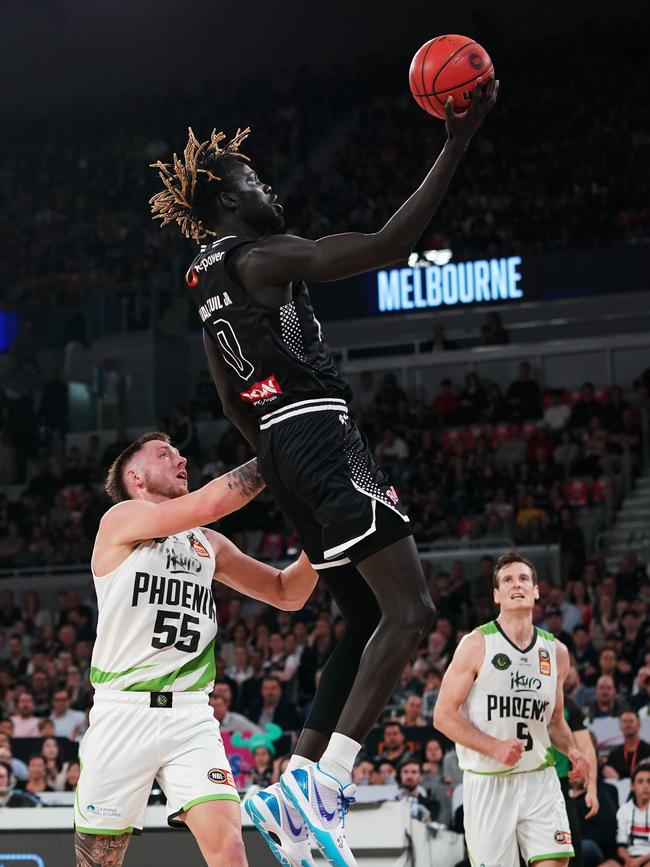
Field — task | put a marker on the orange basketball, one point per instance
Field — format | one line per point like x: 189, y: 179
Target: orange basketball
x: 444, y: 66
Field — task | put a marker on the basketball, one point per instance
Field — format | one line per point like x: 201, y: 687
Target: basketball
x: 448, y: 66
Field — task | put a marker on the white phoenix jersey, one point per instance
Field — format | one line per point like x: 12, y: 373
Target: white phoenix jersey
x: 157, y: 618
x: 513, y: 696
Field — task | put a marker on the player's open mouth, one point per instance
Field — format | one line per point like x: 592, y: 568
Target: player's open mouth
x: 182, y: 476
x: 517, y: 596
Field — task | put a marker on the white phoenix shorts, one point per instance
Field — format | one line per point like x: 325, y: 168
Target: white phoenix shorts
x: 506, y: 813
x: 135, y: 738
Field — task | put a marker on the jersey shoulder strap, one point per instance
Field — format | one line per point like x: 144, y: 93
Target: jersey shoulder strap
x: 211, y: 255
x: 488, y: 628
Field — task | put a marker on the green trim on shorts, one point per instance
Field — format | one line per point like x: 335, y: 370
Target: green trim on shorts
x: 109, y: 832
x: 488, y: 628
x: 554, y: 855
x: 205, y: 660
x: 548, y: 763
x: 205, y: 798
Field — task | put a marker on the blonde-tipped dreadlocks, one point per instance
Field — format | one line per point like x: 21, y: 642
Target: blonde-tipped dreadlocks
x: 179, y: 178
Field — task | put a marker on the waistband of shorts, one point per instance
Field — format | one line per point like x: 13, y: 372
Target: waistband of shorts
x: 115, y: 696
x: 304, y: 407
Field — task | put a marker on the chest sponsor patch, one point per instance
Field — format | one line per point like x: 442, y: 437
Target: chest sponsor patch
x: 544, y: 661
x: 221, y: 777
x: 501, y: 661
x: 266, y: 389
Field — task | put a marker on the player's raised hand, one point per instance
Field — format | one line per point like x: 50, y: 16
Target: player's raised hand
x: 580, y: 770
x: 508, y: 752
x: 461, y: 127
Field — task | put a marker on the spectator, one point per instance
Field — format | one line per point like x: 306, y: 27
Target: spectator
x: 9, y: 613
x: 553, y: 623
x: 606, y: 703
x: 55, y: 769
x: 523, y: 396
x: 393, y: 747
x: 66, y: 721
x: 585, y: 656
x: 261, y: 774
x: 439, y: 341
x: 18, y: 767
x: 412, y: 715
x: 273, y: 709
x: 411, y: 789
x: 471, y: 401
x: 556, y: 415
x: 445, y: 403
x: 363, y: 772
x: 72, y: 777
x: 622, y: 760
x: 228, y: 720
x: 633, y: 834
x: 10, y: 797
x: 24, y: 722
x: 493, y: 331
x: 36, y: 782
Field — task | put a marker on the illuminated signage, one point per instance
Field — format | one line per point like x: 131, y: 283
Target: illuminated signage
x: 449, y: 285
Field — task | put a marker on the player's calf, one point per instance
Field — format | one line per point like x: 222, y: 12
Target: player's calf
x: 100, y: 850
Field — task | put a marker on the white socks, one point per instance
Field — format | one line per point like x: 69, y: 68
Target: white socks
x: 339, y: 757
x: 297, y: 761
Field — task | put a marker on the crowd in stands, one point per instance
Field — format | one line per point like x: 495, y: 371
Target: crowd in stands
x: 475, y: 465
x: 547, y: 171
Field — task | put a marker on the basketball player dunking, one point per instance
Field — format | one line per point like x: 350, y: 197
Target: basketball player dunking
x: 153, y: 661
x: 502, y: 702
x: 278, y: 383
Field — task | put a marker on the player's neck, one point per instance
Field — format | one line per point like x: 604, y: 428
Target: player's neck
x: 518, y: 626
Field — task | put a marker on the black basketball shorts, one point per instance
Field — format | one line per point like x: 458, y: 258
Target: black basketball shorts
x: 317, y: 465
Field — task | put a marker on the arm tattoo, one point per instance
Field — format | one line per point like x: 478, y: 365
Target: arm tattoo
x: 246, y: 479
x: 100, y: 850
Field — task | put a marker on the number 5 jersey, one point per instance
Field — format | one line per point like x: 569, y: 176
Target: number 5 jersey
x: 513, y: 696
x: 157, y: 618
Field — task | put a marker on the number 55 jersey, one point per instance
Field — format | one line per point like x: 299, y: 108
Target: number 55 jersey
x: 157, y: 619
x: 513, y: 696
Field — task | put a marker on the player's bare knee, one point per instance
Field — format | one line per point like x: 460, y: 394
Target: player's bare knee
x: 417, y: 619
x: 229, y: 852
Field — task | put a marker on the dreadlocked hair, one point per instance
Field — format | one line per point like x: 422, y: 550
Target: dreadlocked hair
x: 181, y: 180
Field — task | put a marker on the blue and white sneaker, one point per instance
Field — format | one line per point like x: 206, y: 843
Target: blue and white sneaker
x: 323, y: 803
x: 281, y: 825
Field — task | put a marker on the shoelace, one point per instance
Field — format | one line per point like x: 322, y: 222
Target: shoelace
x: 344, y: 805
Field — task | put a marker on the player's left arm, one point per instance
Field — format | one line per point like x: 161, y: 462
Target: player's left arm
x: 287, y: 589
x: 230, y: 400
x: 558, y: 729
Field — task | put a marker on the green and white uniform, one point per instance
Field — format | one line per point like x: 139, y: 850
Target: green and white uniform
x: 508, y: 809
x: 152, y: 669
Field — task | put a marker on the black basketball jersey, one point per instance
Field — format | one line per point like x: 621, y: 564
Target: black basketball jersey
x: 273, y: 355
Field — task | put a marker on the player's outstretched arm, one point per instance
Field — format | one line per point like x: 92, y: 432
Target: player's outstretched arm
x: 454, y: 689
x: 278, y: 259
x: 230, y: 400
x: 287, y: 589
x: 136, y: 520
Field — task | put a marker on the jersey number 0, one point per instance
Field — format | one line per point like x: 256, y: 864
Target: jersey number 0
x: 231, y: 350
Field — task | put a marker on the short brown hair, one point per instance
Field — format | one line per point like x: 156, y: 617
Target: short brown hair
x: 115, y: 485
x: 508, y: 558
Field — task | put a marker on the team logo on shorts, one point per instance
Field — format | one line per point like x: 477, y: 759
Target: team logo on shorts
x: 111, y: 812
x: 224, y: 778
x: 544, y: 661
x: 501, y: 661
x: 562, y: 837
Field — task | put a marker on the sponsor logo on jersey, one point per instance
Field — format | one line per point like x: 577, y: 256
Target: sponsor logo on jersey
x: 224, y: 778
x: 522, y: 707
x: 562, y: 837
x: 262, y: 392
x: 198, y: 547
x: 191, y: 277
x: 211, y: 305
x: 544, y: 661
x: 520, y: 682
x: 103, y: 811
x: 501, y: 661
x: 391, y: 493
